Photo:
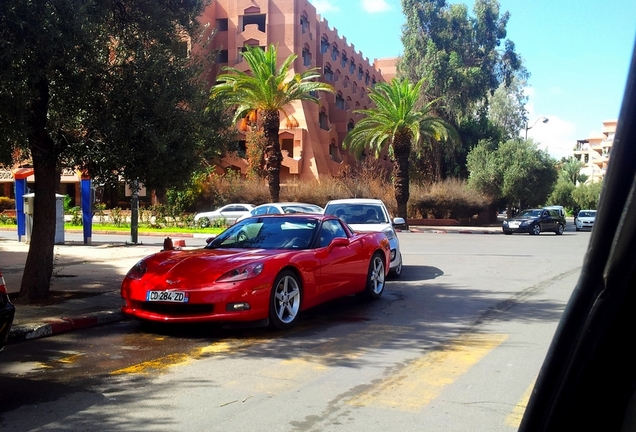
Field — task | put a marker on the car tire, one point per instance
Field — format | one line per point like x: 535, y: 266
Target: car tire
x: 396, y: 272
x: 284, y: 304
x: 578, y: 229
x: 507, y: 232
x: 535, y: 230
x: 375, y: 277
x: 559, y: 230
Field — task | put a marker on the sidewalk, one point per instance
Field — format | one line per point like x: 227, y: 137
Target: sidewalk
x: 87, y: 279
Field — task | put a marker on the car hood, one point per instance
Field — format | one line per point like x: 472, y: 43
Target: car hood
x: 523, y: 219
x: 587, y: 218
x: 189, y: 269
x: 369, y: 227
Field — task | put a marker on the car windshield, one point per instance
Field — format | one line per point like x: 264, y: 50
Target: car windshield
x: 587, y: 214
x: 530, y: 213
x: 268, y: 233
x: 358, y: 213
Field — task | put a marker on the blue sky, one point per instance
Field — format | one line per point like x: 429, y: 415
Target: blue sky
x: 577, y: 52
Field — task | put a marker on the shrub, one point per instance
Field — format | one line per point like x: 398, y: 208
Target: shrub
x: 450, y: 198
x: 6, y: 203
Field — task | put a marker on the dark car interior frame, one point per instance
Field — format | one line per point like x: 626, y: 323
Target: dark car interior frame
x: 588, y: 379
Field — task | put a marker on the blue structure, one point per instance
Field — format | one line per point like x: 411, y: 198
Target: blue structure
x: 20, y: 190
x: 86, y: 193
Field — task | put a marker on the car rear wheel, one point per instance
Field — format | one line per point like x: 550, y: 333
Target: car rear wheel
x: 375, y: 277
x: 536, y: 230
x: 284, y: 305
x: 560, y: 230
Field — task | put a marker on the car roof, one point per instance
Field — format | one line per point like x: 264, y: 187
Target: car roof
x: 356, y: 201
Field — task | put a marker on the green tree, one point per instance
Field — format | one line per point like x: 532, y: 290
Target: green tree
x: 517, y: 171
x: 506, y: 107
x: 262, y: 94
x: 103, y: 87
x: 462, y: 60
x: 397, y: 122
x: 571, y: 171
x: 587, y: 195
x: 562, y: 193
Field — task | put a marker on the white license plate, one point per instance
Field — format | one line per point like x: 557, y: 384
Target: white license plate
x: 167, y: 296
x: 513, y: 224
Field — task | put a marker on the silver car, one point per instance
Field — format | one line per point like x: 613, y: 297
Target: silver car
x: 364, y: 214
x: 585, y: 219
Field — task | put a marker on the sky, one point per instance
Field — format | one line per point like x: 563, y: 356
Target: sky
x: 578, y: 54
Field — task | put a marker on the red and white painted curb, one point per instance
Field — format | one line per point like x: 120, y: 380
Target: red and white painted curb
x: 53, y: 326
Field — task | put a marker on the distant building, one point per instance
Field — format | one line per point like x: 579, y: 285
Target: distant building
x: 595, y: 151
x: 311, y: 146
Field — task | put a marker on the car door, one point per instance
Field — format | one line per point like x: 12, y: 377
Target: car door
x: 339, y: 265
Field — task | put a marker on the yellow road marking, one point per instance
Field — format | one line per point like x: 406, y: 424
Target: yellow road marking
x: 423, y: 380
x: 514, y: 418
x: 154, y: 365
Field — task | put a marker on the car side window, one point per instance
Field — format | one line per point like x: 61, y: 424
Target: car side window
x: 260, y: 211
x: 330, y: 230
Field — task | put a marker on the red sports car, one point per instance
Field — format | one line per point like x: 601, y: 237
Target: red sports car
x: 263, y: 268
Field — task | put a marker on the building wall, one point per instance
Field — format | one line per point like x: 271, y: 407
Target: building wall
x: 295, y: 28
x: 595, y: 150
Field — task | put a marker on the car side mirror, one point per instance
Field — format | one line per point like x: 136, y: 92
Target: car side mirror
x: 398, y: 221
x: 339, y: 242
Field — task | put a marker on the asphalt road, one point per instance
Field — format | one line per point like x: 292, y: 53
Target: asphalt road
x: 453, y: 345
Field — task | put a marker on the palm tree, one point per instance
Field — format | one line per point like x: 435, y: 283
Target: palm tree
x: 260, y: 96
x: 397, y: 121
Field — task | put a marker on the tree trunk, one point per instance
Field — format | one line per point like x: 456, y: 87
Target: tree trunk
x: 402, y: 152
x: 38, y: 269
x: 273, y: 155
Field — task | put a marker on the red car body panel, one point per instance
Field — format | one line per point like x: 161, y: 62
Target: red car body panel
x: 325, y: 273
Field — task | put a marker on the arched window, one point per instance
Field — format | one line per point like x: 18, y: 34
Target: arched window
x: 322, y: 119
x: 306, y: 56
x: 345, y: 82
x: 373, y: 81
x: 324, y: 44
x: 367, y: 78
x: 334, y: 52
x: 344, y: 59
x: 354, y: 87
x: 340, y: 102
x: 352, y: 66
x: 362, y: 92
x: 360, y: 72
x: 304, y: 22
x: 327, y: 72
x: 350, y: 125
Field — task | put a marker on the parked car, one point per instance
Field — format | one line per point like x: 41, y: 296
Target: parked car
x: 362, y: 215
x: 559, y: 208
x: 7, y: 312
x: 535, y: 221
x: 269, y: 268
x: 282, y: 208
x: 585, y: 219
x: 229, y: 213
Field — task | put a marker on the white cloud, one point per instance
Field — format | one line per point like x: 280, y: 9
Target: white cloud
x: 323, y: 6
x: 375, y: 6
x: 556, y: 136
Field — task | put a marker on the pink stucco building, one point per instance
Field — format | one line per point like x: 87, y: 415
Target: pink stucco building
x: 314, y: 147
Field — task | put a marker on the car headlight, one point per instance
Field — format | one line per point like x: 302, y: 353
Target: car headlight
x: 244, y: 272
x: 138, y: 270
x: 528, y: 222
x: 390, y: 234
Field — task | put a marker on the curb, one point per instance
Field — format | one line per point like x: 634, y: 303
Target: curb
x: 445, y: 231
x: 53, y: 326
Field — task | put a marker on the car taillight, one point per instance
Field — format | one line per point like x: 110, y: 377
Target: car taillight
x: 3, y: 287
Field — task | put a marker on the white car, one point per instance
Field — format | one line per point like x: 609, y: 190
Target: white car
x: 585, y: 219
x: 364, y: 214
x: 280, y: 208
x: 229, y: 213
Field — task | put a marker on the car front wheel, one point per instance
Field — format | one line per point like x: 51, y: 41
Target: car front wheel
x: 285, y: 299
x: 560, y: 230
x: 375, y: 277
x: 396, y: 272
x: 536, y: 230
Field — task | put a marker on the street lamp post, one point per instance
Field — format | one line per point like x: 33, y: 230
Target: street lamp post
x: 544, y: 120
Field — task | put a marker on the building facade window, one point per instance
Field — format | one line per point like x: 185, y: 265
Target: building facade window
x: 258, y: 19
x: 345, y: 82
x: 343, y: 59
x: 367, y: 78
x: 350, y: 125
x: 333, y: 151
x: 322, y: 120
x: 222, y: 57
x: 340, y: 102
x: 222, y: 24
x: 324, y: 44
x: 373, y: 81
x: 360, y: 72
x: 327, y: 72
x: 334, y: 52
x: 352, y: 66
x: 354, y: 87
x: 306, y: 56
x: 304, y: 23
